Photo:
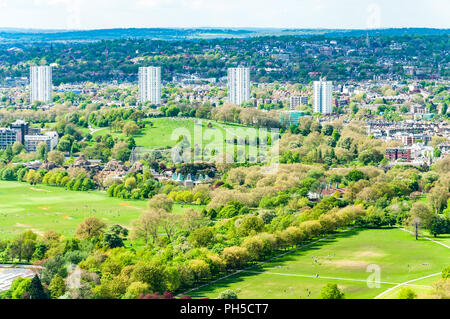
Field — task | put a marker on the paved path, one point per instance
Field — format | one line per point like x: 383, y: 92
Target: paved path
x: 404, y: 283
x: 409, y: 281
x: 427, y: 238
x: 9, y: 273
x: 93, y: 130
x: 324, y: 277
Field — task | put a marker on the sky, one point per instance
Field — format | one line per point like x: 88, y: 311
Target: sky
x: 104, y: 14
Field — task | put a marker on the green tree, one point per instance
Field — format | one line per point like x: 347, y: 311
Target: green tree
x: 57, y: 286
x: 250, y: 225
x: 152, y: 274
x: 91, y: 227
x: 161, y: 201
x: 421, y: 212
x: 19, y: 288
x: 439, y: 225
x: 228, y: 294
x: 17, y: 148
x: 41, y: 150
x: 57, y: 157
x: 121, y: 151
x: 406, y: 293
x: 130, y: 129
x: 446, y: 273
x: 201, y: 237
x: 331, y: 291
x: 36, y: 290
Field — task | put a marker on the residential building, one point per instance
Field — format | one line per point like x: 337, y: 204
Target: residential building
x: 340, y: 102
x: 407, y: 140
x: 32, y: 141
x: 150, y: 85
x: 21, y: 127
x: 398, y: 153
x: 297, y: 100
x: 7, y: 137
x: 238, y: 85
x: 323, y: 97
x: 41, y: 87
x: 417, y: 109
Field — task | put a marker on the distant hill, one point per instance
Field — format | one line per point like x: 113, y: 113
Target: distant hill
x: 14, y: 35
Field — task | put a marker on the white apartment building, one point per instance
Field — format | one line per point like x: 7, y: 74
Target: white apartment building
x: 41, y: 87
x: 323, y: 97
x: 238, y: 85
x: 32, y: 141
x: 150, y: 85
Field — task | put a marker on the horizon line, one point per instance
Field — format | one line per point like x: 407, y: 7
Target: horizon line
x: 222, y: 28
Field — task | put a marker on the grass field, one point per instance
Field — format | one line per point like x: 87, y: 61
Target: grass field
x: 343, y: 259
x: 164, y: 132
x: 443, y: 238
x: 40, y: 208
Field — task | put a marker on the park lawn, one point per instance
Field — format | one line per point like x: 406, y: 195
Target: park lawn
x: 422, y: 292
x: 107, y: 130
x: 41, y: 208
x: 164, y: 132
x: 422, y: 287
x: 345, y: 258
x: 442, y: 238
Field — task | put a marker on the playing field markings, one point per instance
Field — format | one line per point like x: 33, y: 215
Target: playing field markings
x: 405, y: 283
x: 265, y: 261
x: 307, y: 245
x: 324, y: 277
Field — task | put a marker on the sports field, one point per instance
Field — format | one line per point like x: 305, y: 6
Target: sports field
x: 343, y: 259
x: 164, y: 133
x: 40, y: 208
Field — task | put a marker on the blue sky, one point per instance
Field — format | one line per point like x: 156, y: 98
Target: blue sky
x: 96, y: 14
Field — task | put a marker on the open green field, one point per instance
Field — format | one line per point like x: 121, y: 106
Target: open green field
x: 342, y: 259
x: 40, y: 208
x: 443, y: 238
x: 164, y: 133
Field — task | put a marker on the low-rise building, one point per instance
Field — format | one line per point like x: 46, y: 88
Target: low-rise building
x: 398, y: 153
x: 297, y: 100
x: 32, y: 141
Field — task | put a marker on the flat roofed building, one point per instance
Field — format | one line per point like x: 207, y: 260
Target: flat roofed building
x: 238, y: 85
x: 399, y: 153
x: 7, y: 137
x: 22, y: 128
x: 41, y: 87
x: 32, y: 141
x: 150, y: 85
x: 297, y: 100
x: 323, y: 97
